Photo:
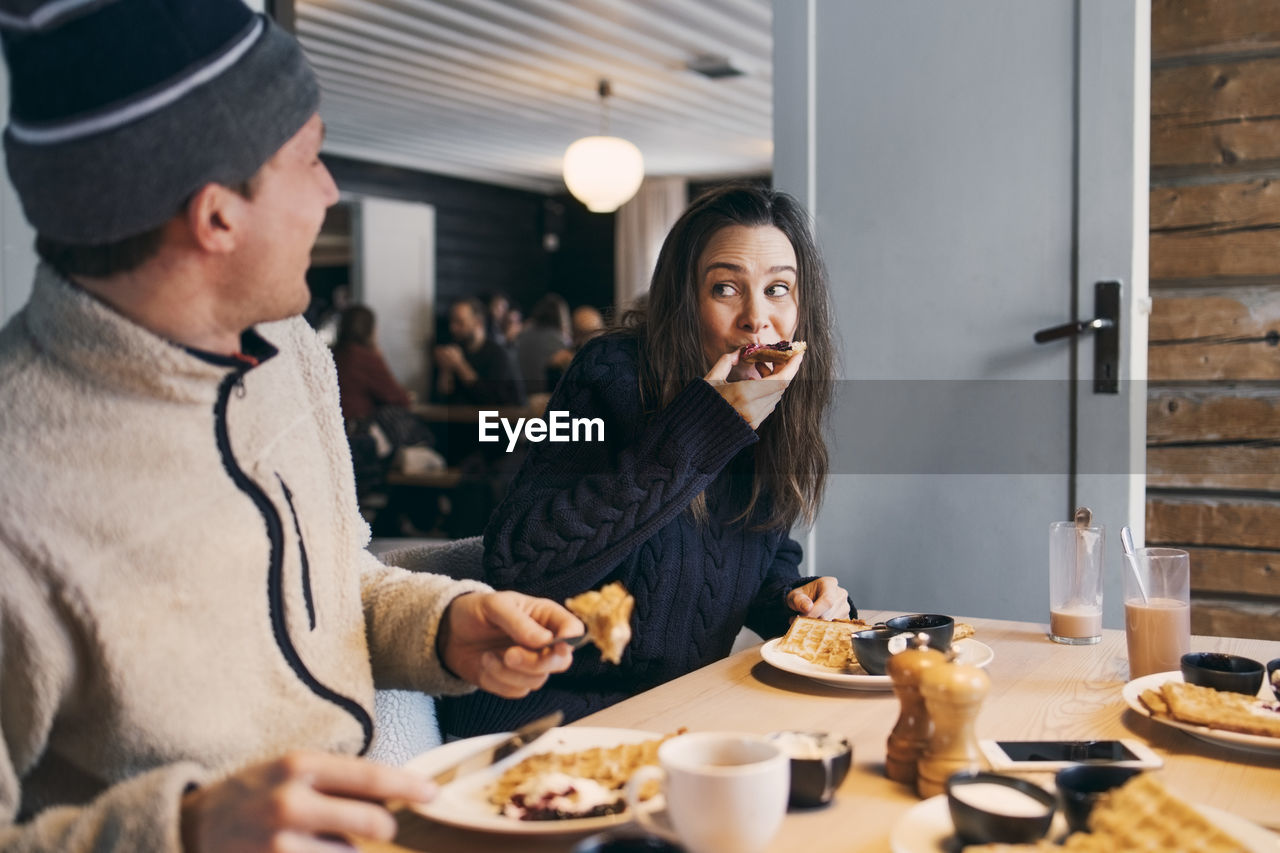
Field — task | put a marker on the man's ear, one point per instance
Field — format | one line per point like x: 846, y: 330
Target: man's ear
x: 215, y: 218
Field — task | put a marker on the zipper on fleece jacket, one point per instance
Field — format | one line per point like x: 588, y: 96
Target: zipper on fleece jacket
x: 275, y: 574
x: 302, y: 554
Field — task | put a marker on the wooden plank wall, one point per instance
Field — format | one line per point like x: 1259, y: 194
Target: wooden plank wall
x: 1213, y: 410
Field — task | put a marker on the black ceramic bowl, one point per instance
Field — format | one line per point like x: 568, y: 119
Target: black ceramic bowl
x: 1273, y: 676
x: 628, y: 840
x: 988, y: 819
x: 1222, y: 672
x: 872, y: 648
x: 1082, y: 787
x: 819, y: 763
x: 939, y: 628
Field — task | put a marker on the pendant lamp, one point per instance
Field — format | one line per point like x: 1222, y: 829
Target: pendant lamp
x: 603, y: 172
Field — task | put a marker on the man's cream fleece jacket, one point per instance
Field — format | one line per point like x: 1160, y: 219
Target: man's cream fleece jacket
x: 183, y: 582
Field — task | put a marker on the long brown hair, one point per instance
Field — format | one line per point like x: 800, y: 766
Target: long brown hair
x: 791, y: 457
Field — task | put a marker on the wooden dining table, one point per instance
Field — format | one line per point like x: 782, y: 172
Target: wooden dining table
x: 1039, y: 690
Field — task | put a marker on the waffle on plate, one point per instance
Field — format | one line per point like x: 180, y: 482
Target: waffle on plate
x: 567, y: 785
x: 1216, y: 709
x: 824, y: 642
x: 829, y: 643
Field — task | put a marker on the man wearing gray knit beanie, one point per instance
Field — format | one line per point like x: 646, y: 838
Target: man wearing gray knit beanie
x: 191, y: 629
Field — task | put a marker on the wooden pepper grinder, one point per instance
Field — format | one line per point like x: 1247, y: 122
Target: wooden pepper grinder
x: 953, y: 695
x: 910, y: 736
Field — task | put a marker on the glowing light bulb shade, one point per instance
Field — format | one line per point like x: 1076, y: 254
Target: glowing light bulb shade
x: 603, y: 172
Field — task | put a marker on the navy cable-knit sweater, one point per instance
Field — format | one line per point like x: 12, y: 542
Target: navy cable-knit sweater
x: 580, y: 515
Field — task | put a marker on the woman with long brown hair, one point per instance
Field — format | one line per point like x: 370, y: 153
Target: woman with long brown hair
x: 705, y: 464
x: 364, y: 379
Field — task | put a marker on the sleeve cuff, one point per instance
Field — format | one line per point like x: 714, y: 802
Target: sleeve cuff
x: 705, y: 426
x: 443, y: 681
x: 403, y: 611
x: 141, y: 813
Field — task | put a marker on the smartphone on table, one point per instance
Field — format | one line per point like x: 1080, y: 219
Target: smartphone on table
x: 1056, y: 754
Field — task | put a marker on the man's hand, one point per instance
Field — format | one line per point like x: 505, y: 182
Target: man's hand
x: 449, y: 357
x: 821, y: 598
x: 302, y: 802
x: 757, y: 392
x: 489, y: 639
x: 453, y: 363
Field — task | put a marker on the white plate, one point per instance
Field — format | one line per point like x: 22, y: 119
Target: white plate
x: 464, y: 802
x: 1233, y: 740
x: 968, y: 651
x: 926, y: 828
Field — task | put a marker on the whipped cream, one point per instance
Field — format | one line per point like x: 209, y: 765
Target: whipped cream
x: 559, y: 796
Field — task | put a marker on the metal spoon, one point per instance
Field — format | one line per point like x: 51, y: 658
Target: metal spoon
x: 1083, y: 518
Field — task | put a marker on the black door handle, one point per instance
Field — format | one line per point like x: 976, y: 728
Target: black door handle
x: 1066, y: 330
x: 1106, y: 343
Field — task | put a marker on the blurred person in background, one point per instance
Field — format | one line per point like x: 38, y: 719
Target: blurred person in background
x: 375, y: 407
x: 365, y: 381
x: 473, y: 369
x: 586, y: 323
x: 512, y: 326
x: 497, y: 307
x: 325, y: 312
x: 544, y: 339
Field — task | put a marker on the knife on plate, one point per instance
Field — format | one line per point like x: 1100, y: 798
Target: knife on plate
x: 491, y: 755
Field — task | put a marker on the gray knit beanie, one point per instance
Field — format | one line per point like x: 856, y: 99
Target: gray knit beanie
x: 121, y: 109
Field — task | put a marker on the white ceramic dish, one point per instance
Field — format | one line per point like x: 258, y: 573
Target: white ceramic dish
x: 1234, y: 740
x: 926, y: 828
x: 464, y: 801
x: 968, y: 651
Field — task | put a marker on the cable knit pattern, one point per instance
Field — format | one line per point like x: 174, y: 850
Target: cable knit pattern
x: 582, y: 514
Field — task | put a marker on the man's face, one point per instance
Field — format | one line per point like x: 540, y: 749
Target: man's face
x: 290, y: 195
x: 464, y: 325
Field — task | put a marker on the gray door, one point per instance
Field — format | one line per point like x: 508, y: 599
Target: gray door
x: 973, y: 168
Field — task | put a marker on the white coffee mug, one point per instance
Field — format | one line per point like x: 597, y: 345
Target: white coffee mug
x: 725, y: 792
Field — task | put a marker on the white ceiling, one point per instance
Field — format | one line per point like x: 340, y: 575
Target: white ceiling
x: 495, y: 90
